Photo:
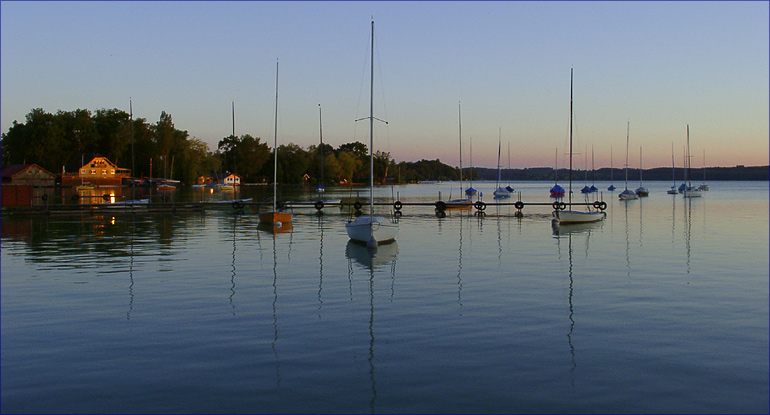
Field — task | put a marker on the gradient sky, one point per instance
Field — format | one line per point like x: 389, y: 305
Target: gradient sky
x: 657, y: 65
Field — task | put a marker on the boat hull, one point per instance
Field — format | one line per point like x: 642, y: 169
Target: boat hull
x: 692, y: 193
x: 566, y: 217
x: 364, y: 227
x: 274, y: 218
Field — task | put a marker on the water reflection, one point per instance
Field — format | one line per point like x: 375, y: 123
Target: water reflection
x: 371, y: 259
x: 274, y: 344
x: 567, y: 232
x: 232, y: 276
x: 321, y: 261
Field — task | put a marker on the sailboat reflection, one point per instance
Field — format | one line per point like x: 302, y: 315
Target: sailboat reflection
x: 568, y: 232
x: 372, y: 259
x: 274, y: 344
x: 232, y: 276
x: 321, y: 261
x: 275, y: 228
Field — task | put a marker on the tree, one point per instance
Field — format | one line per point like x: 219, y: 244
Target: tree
x: 349, y: 165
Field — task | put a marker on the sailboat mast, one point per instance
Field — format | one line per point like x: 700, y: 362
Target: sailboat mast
x: 640, y: 167
x: 499, y: 138
x: 275, y: 142
x: 628, y: 128
x: 570, y: 136
x: 321, y: 148
x: 460, y: 127
x: 371, y: 131
x: 687, y: 171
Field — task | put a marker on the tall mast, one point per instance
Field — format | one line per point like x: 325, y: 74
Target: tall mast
x: 131, y: 122
x: 628, y: 127
x: 321, y: 148
x: 687, y: 171
x: 499, y: 138
x: 371, y: 131
x: 460, y: 126
x: 570, y: 137
x: 275, y: 142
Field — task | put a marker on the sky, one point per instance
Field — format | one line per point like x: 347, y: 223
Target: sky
x: 487, y: 74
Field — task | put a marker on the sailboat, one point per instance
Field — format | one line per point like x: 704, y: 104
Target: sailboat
x: 470, y: 191
x: 500, y: 192
x: 370, y: 229
x: 673, y: 190
x: 586, y: 189
x: 565, y: 217
x: 509, y: 188
x: 274, y: 217
x: 593, y: 188
x: 556, y: 191
x: 612, y: 168
x: 690, y: 191
x: 319, y: 203
x: 627, y: 194
x: 463, y: 202
x: 641, y: 191
x: 704, y: 186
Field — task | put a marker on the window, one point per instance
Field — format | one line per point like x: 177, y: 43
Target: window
x: 104, y: 171
x: 82, y: 171
x: 92, y: 172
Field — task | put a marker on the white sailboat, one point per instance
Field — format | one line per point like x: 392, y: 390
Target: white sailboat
x: 641, y: 191
x: 565, y: 217
x: 627, y: 194
x: 370, y: 229
x: 500, y: 192
x: 509, y: 188
x: 673, y: 190
x: 462, y: 202
x: 690, y: 191
x: 275, y: 218
x: 704, y: 186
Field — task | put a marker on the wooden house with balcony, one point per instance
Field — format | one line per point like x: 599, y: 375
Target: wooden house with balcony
x: 96, y: 170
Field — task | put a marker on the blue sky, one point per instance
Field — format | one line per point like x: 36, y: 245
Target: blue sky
x: 659, y: 65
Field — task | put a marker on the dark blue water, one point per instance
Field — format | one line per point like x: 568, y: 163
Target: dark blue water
x: 661, y: 308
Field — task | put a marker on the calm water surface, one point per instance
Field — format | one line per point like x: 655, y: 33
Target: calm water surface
x: 662, y: 308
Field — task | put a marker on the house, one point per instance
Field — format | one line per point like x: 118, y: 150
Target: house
x: 231, y: 179
x: 30, y: 174
x: 94, y: 169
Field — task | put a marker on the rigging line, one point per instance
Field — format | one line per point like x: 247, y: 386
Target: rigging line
x: 382, y: 93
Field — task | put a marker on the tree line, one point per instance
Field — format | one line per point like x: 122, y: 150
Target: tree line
x: 160, y: 150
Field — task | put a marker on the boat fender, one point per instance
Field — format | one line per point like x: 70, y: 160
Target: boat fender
x: 562, y: 205
x: 357, y: 205
x: 237, y: 205
x: 398, y: 205
x: 75, y: 197
x: 603, y: 205
x: 397, y: 213
x: 480, y: 205
x: 319, y: 205
x: 556, y: 205
x: 441, y: 206
x: 44, y: 197
x: 106, y: 197
x: 440, y: 214
x: 519, y: 205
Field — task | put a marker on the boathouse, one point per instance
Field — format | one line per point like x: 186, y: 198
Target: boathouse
x: 94, y: 169
x: 29, y: 174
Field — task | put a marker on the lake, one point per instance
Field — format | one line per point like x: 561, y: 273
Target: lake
x: 660, y: 308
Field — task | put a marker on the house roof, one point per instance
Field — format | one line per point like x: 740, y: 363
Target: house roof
x: 76, y: 164
x: 14, y: 169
